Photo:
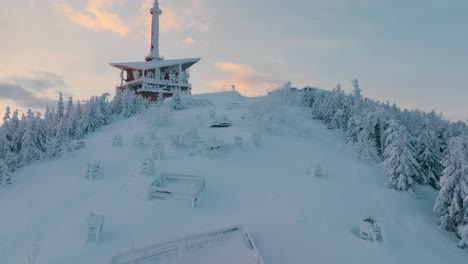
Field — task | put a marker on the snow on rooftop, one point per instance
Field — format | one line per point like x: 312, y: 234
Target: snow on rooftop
x: 145, y: 65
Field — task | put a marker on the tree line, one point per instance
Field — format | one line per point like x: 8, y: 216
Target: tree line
x: 416, y: 147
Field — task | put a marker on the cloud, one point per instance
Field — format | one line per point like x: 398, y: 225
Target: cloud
x: 189, y: 40
x: 41, y: 80
x: 22, y: 96
x: 95, y: 18
x: 272, y: 60
x: 31, y: 91
x: 248, y: 80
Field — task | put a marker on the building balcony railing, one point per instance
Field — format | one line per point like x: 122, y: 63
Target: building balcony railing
x: 153, y: 84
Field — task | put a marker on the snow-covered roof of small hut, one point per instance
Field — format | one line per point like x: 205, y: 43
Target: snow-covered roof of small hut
x: 145, y: 65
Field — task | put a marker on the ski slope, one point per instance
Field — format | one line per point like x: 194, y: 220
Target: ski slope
x: 293, y: 217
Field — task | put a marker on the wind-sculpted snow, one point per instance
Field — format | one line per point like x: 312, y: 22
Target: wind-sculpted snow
x: 293, y: 217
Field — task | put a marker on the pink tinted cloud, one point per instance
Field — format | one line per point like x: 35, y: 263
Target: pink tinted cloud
x: 248, y: 80
x: 96, y: 17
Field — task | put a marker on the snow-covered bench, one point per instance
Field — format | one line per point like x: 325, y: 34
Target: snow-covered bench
x: 177, y: 186
x: 79, y: 145
x: 229, y: 245
x: 207, y: 147
x: 223, y: 122
x: 95, y: 224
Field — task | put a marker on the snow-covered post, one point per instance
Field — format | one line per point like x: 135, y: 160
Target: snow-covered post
x: 239, y: 142
x: 318, y: 171
x: 95, y: 223
x: 32, y: 256
x: 256, y: 138
x: 158, y: 151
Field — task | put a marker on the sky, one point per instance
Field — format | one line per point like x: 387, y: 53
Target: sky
x: 413, y: 53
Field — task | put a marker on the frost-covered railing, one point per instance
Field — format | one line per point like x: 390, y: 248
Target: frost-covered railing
x: 191, y: 243
x: 177, y: 186
x: 154, y: 83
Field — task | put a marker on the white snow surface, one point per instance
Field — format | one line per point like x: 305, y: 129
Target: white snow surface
x: 293, y: 217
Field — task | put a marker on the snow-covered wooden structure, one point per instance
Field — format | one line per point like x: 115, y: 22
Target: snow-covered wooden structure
x: 156, y: 77
x: 158, y: 151
x: 93, y: 170
x: 95, y: 224
x: 117, y: 141
x: 370, y: 229
x: 177, y: 186
x: 213, y: 246
x: 147, y: 167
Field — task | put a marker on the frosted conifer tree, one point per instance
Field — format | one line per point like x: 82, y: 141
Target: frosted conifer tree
x: 354, y: 128
x: 42, y: 134
x: 116, y: 105
x: 338, y: 120
x: 7, y: 132
x: 428, y: 155
x: 356, y: 89
x: 463, y: 233
x: 5, y: 175
x: 452, y: 201
x: 3, y: 143
x: 18, y: 128
x: 69, y: 108
x: 176, y: 101
x: 29, y: 151
x: 74, y: 122
x: 103, y: 111
x: 89, y: 120
x: 60, y: 108
x: 402, y: 167
x: 131, y: 103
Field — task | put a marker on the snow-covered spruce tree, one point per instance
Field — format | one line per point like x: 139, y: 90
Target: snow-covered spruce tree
x: 452, y: 201
x: 43, y: 133
x: 74, y: 122
x: 463, y: 233
x: 69, y: 108
x: 30, y: 151
x: 428, y: 155
x: 89, y: 121
x: 104, y: 112
x: 175, y: 102
x: 116, y: 104
x: 5, y: 175
x: 308, y: 96
x: 316, y: 108
x: 403, y: 171
x: 2, y: 143
x: 132, y: 104
x: 356, y: 89
x: 17, y: 127
x: 60, y: 108
x: 339, y: 120
x: 363, y: 135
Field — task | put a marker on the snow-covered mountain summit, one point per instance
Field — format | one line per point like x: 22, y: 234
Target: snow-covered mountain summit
x: 263, y: 183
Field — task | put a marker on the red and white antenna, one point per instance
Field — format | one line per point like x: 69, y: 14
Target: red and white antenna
x: 154, y: 51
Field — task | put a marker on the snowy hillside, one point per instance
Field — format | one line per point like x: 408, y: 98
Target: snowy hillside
x: 292, y: 216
